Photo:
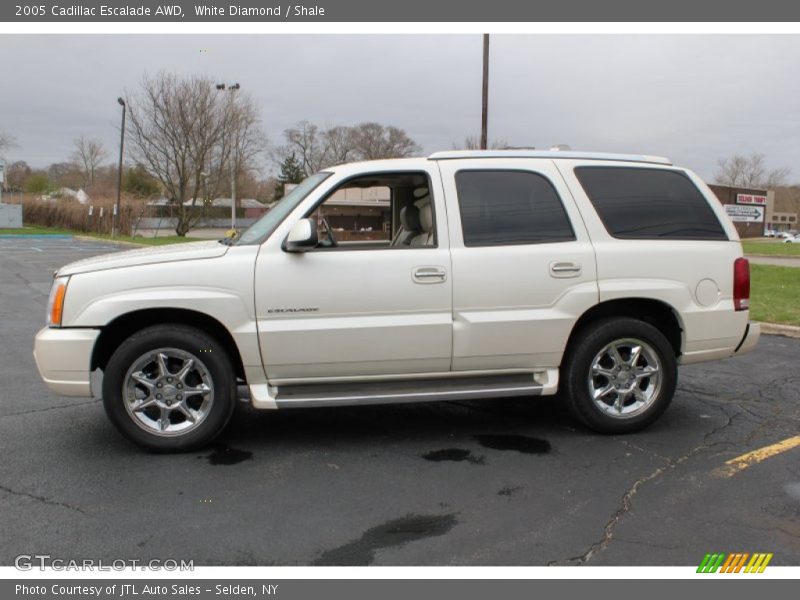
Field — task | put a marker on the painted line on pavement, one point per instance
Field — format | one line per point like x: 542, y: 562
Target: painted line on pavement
x: 740, y: 463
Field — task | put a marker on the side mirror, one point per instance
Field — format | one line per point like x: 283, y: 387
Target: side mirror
x: 302, y: 237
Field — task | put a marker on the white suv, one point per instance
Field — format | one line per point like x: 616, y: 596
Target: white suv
x: 463, y: 275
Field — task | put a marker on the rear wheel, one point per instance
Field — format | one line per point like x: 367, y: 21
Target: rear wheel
x: 620, y: 376
x: 169, y: 388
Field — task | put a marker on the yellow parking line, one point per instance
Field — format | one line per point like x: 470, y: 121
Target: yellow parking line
x: 740, y: 463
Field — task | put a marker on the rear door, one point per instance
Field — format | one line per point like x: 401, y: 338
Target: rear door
x: 523, y: 265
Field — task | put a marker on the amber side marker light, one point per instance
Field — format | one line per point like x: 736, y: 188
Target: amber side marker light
x: 55, y: 303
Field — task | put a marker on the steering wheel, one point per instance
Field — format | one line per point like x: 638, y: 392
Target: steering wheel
x: 332, y: 243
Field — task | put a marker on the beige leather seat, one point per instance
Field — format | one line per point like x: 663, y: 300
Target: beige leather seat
x: 410, y: 226
x: 425, y: 237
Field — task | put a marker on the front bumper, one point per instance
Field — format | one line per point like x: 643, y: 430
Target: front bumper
x: 63, y: 357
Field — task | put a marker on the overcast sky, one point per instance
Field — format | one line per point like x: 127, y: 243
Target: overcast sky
x: 694, y: 98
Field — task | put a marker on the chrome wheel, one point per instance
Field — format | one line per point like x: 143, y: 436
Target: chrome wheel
x: 168, y: 392
x: 625, y: 378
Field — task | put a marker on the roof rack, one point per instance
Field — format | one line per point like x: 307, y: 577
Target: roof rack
x: 456, y: 154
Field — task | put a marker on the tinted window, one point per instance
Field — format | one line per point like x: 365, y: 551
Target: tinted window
x: 510, y: 207
x: 649, y: 204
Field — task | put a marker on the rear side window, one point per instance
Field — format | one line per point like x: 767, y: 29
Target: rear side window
x: 500, y: 208
x: 643, y: 204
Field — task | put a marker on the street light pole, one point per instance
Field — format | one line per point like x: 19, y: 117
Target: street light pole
x: 232, y: 89
x: 115, y: 220
x: 233, y: 195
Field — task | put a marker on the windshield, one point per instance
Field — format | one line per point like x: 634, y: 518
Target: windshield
x: 261, y: 229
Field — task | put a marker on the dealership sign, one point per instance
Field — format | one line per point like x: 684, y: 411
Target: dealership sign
x: 745, y: 214
x: 751, y: 199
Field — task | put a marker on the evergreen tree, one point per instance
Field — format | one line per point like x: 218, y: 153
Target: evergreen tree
x: 291, y: 172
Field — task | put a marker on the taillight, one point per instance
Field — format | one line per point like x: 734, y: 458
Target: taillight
x: 741, y: 284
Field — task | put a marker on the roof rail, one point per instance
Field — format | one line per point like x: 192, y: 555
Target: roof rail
x: 570, y: 154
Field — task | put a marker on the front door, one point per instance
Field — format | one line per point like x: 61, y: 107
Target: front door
x: 374, y: 298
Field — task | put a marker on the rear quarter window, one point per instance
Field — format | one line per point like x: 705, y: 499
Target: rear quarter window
x: 642, y: 204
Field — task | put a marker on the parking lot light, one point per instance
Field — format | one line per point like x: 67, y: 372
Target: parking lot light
x: 231, y: 88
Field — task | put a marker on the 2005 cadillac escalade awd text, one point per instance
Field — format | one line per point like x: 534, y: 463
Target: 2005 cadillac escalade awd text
x: 463, y: 275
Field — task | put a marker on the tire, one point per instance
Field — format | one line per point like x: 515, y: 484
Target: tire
x: 160, y: 400
x: 633, y: 388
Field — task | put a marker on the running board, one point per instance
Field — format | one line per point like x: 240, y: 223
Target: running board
x: 392, y: 392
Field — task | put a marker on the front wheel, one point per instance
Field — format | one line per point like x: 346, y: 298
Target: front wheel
x: 169, y: 388
x: 620, y: 375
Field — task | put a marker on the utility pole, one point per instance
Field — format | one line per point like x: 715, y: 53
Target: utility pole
x: 485, y: 103
x: 115, y: 217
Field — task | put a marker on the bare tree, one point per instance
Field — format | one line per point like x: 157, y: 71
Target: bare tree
x: 17, y: 174
x: 65, y: 174
x: 374, y: 141
x: 244, y: 141
x: 316, y: 148
x: 90, y: 154
x: 188, y: 137
x: 339, y: 145
x: 303, y: 141
x: 6, y: 141
x: 749, y: 172
x: 472, y: 142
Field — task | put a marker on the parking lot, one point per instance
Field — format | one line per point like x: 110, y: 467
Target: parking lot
x: 501, y: 482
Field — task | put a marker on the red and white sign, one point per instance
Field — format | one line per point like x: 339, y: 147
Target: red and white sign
x: 751, y: 199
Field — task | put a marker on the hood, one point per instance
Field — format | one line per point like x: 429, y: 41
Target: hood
x: 146, y: 256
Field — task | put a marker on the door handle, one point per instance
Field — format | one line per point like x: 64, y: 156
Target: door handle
x: 429, y: 275
x: 565, y: 269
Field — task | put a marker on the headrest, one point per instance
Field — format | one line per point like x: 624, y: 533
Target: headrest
x: 410, y: 218
x: 420, y: 193
x: 426, y: 217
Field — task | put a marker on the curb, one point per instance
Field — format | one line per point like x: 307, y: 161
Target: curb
x: 778, y: 256
x: 776, y: 329
x: 27, y: 236
x: 88, y: 238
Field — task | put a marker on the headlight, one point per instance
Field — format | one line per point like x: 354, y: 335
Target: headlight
x: 55, y: 303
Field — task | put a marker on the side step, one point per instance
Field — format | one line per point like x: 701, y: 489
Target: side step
x: 391, y: 392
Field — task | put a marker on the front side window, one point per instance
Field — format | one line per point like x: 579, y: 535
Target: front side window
x: 374, y: 211
x: 640, y: 203
x: 501, y: 208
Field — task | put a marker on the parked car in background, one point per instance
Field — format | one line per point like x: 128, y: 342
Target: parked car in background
x: 490, y: 274
x: 771, y: 233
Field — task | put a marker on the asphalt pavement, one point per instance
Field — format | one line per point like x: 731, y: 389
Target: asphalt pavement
x: 499, y: 482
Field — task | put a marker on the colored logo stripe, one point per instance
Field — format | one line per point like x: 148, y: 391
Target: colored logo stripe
x: 711, y: 563
x: 733, y: 563
x: 758, y: 563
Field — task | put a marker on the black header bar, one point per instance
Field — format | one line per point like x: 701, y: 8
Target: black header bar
x: 337, y: 11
